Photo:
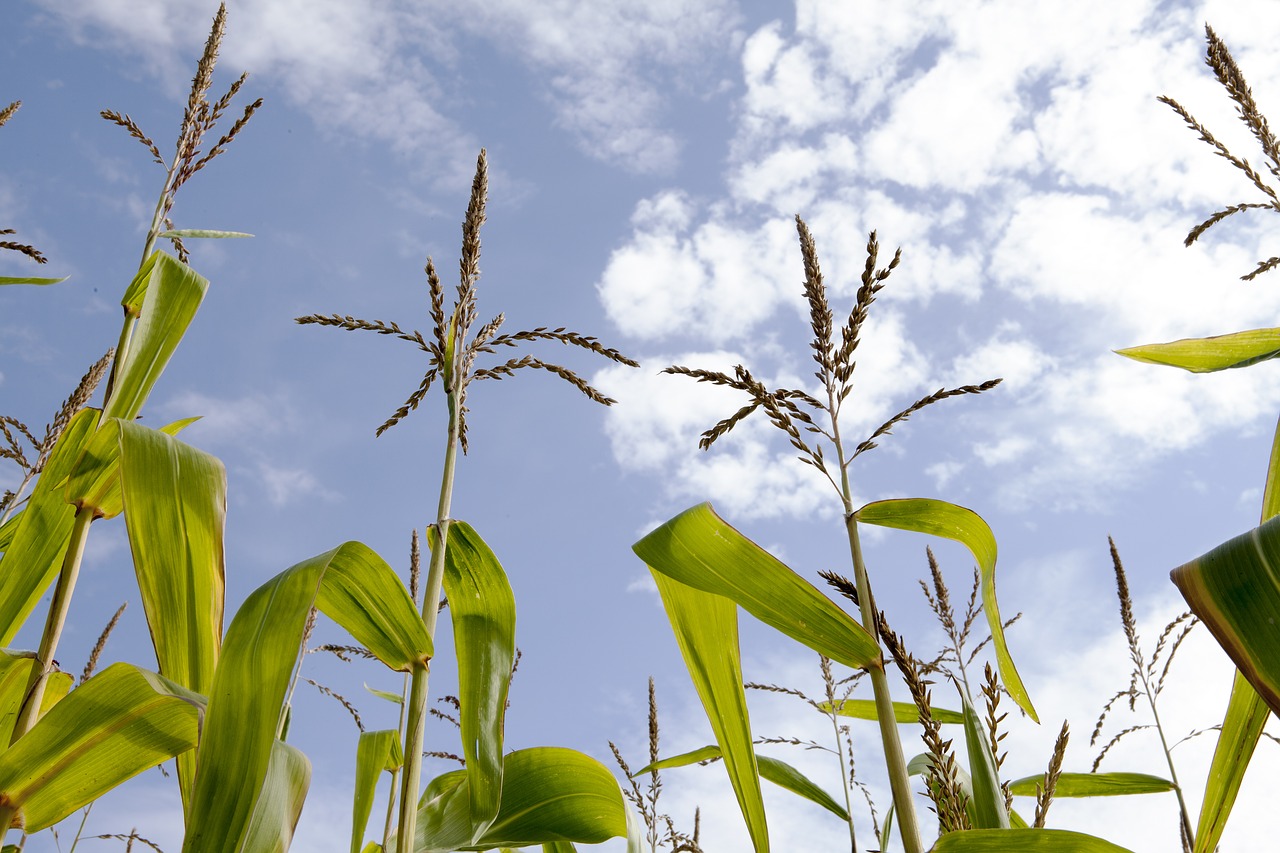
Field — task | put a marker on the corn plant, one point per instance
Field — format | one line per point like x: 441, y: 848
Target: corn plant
x: 474, y: 806
x: 1231, y: 589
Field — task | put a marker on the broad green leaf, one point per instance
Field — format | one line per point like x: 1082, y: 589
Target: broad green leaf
x: 394, y: 698
x: 185, y: 233
x: 706, y: 629
x: 1033, y: 840
x: 482, y: 608
x: 549, y: 795
x: 1094, y: 785
x: 15, y: 676
x: 1207, y: 355
x: 7, y: 530
x: 778, y: 772
x: 939, y: 518
x: 354, y: 587
x: 164, y: 296
x: 988, y: 799
x: 376, y: 752
x: 94, y: 483
x: 34, y: 555
x: 1235, y: 590
x: 120, y: 722
x: 903, y: 712
x: 8, y: 279
x: 699, y: 549
x: 1245, y: 717
x: 275, y: 816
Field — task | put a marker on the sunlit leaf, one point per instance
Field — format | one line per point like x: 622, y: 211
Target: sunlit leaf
x: 275, y: 815
x: 394, y: 698
x: 376, y: 752
x: 706, y: 630
x: 94, y: 483
x: 120, y: 722
x: 988, y: 799
x: 185, y: 233
x: 700, y: 550
x: 8, y: 279
x: 903, y: 712
x: 939, y: 518
x: 1207, y: 355
x: 15, y: 676
x: 1033, y: 840
x: 1094, y: 785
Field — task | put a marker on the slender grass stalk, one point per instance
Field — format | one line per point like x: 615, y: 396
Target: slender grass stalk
x: 833, y: 703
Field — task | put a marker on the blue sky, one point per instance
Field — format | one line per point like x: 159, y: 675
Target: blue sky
x: 646, y: 162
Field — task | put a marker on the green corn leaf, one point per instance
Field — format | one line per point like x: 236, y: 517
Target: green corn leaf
x: 376, y: 752
x: 706, y: 629
x: 120, y: 722
x: 34, y: 555
x: 1235, y: 591
x: 1094, y: 785
x: 372, y: 847
x: 394, y: 698
x: 15, y: 675
x: 7, y: 530
x: 186, y: 233
x: 1245, y: 717
x: 164, y: 296
x: 778, y: 772
x: 903, y: 712
x: 988, y: 799
x: 8, y: 279
x: 482, y: 608
x: 699, y: 549
x: 1207, y: 355
x: 549, y: 795
x: 94, y: 484
x: 1031, y: 840
x: 275, y: 815
x: 359, y: 591
x: 939, y: 518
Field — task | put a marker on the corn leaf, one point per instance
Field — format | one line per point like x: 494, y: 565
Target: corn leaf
x: 1245, y: 717
x: 164, y: 296
x: 376, y: 752
x: 1094, y: 785
x: 39, y: 541
x: 903, y: 712
x: 94, y: 483
x: 9, y: 279
x: 185, y: 233
x: 393, y: 698
x: 359, y: 591
x: 699, y: 549
x: 549, y: 795
x: 120, y: 722
x: 939, y: 518
x: 988, y: 799
x: 1033, y: 840
x: 15, y: 675
x: 275, y: 815
x: 706, y: 629
x: 778, y: 772
x: 1208, y: 355
x: 482, y: 608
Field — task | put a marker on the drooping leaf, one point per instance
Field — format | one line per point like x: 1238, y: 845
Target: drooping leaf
x: 778, y: 772
x: 989, y: 810
x: 699, y: 549
x: 164, y: 296
x: 120, y: 722
x: 15, y: 675
x: 1094, y: 785
x: 359, y: 591
x: 903, y: 712
x: 549, y: 795
x: 94, y: 483
x: 394, y: 698
x: 33, y: 557
x: 1207, y: 355
x: 482, y: 608
x: 9, y: 279
x: 187, y: 233
x: 1033, y: 840
x: 376, y: 752
x: 275, y: 815
x: 939, y: 518
x: 706, y: 630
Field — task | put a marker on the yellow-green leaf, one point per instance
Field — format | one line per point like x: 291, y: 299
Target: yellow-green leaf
x: 949, y: 521
x: 1031, y: 840
x: 94, y: 483
x: 15, y: 676
x: 699, y: 549
x: 1207, y: 355
x: 903, y: 712
x: 376, y: 752
x: 205, y: 233
x: 120, y: 722
x: 1094, y: 785
x: 706, y: 629
x: 275, y: 815
x: 988, y: 799
x: 10, y: 279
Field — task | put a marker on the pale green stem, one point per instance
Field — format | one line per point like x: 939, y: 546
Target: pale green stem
x: 844, y: 772
x: 395, y: 774
x: 1188, y: 832
x: 416, y: 716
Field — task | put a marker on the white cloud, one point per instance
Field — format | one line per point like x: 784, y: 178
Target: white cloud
x: 288, y: 485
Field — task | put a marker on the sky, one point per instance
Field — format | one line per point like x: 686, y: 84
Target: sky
x: 647, y: 162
